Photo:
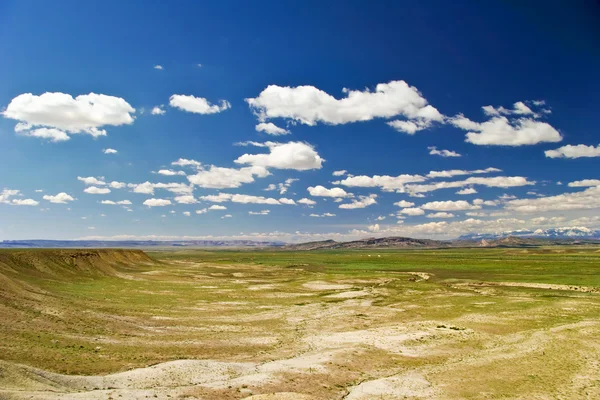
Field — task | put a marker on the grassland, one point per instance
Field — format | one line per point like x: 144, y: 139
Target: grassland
x: 447, y: 324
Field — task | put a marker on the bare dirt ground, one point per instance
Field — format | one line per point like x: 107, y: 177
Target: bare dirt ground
x: 241, y: 331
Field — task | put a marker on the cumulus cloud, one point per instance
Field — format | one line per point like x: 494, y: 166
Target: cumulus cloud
x: 324, y: 215
x: 292, y: 155
x: 457, y: 172
x: 449, y: 205
x: 271, y: 129
x: 187, y: 213
x: 309, y: 105
x: 117, y: 185
x: 197, y: 105
x: 120, y: 202
x: 158, y: 110
x: 226, y: 216
x: 404, y: 203
x: 226, y: 178
x: 185, y: 199
x: 184, y: 162
x: 570, y: 151
x: 362, y: 202
x: 159, y: 67
x: 51, y: 134
x: 587, y: 199
x: 440, y: 215
x: 307, y: 202
x: 385, y: 182
x: 410, y: 127
x: 96, y: 190
x: 54, y: 116
x: 412, y: 211
x: 585, y: 183
x: 263, y: 212
x: 90, y: 180
x: 149, y: 187
x: 109, y: 151
x: 24, y: 202
x: 321, y: 191
x: 466, y: 191
x: 170, y: 172
x: 216, y: 207
x: 443, y: 153
x: 246, y: 199
x: 60, y: 198
x: 157, y: 202
x: 282, y: 187
x: 496, y: 181
x: 341, y: 172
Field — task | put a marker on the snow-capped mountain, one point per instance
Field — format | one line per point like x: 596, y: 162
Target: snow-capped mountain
x: 572, y: 232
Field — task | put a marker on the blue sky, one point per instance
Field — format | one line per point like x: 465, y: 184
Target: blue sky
x: 417, y: 77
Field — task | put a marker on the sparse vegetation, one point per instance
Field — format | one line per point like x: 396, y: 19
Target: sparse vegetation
x: 445, y: 323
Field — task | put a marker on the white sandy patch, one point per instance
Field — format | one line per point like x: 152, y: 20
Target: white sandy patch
x: 411, y: 385
x: 349, y: 295
x: 322, y: 285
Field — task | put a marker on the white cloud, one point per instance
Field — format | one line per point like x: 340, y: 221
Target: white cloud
x: 321, y: 191
x: 449, y: 205
x: 362, y: 202
x: 587, y: 199
x: 120, y: 202
x: 585, y: 183
x: 55, y: 115
x: 158, y: 66
x: 440, y: 215
x: 380, y: 218
x: 216, y: 207
x: 226, y: 216
x: 500, y: 131
x: 148, y: 187
x: 226, y: 178
x: 197, y: 105
x: 497, y: 181
x: 309, y: 105
x: 24, y: 202
x: 404, y: 203
x: 61, y: 198
x: 292, y: 155
x: 186, y: 199
x: 203, y: 211
x: 457, y: 172
x: 263, y: 212
x: 109, y: 151
x: 157, y: 202
x: 324, y: 215
x: 466, y: 191
x: 570, y: 151
x: 96, y: 190
x: 410, y: 127
x: 245, y: 199
x: 52, y: 134
x: 117, y: 185
x: 341, y: 172
x: 158, y: 110
x: 519, y: 109
x: 282, y: 187
x: 90, y: 180
x: 307, y: 202
x: 385, y: 182
x: 413, y: 211
x: 271, y: 129
x: 187, y: 213
x: 290, y: 202
x: 444, y: 153
x: 170, y: 172
x: 184, y: 162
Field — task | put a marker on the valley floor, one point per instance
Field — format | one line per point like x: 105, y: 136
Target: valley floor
x: 434, y: 324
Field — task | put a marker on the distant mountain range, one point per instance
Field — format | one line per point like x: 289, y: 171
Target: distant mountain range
x: 133, y: 243
x: 553, y: 233
x: 518, y: 238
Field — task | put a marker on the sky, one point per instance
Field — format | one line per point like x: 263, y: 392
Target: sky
x: 297, y: 121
